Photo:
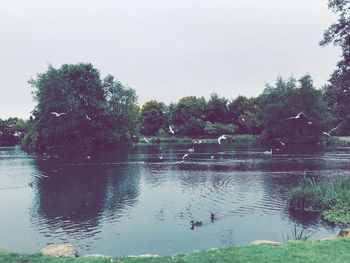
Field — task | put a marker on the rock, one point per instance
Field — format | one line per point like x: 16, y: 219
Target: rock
x: 328, y: 238
x: 96, y: 256
x: 60, y: 250
x: 260, y: 242
x: 143, y: 256
x: 344, y: 233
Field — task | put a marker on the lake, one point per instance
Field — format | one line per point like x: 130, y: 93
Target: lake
x: 132, y: 201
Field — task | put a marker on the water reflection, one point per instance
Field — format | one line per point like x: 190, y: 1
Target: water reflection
x: 76, y: 194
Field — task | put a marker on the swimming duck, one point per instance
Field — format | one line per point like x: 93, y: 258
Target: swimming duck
x: 196, y: 223
x: 213, y: 216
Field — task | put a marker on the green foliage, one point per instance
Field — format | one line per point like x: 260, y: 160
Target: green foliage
x: 104, y: 112
x: 216, y: 109
x: 330, y: 199
x: 187, y: 115
x: 94, y: 112
x: 187, y: 108
x: 339, y: 212
x: 122, y: 111
x: 215, y: 129
x: 250, y: 122
x: 12, y: 130
x: 338, y: 93
x: 287, y: 98
x: 192, y: 127
x: 152, y: 117
x: 245, y: 113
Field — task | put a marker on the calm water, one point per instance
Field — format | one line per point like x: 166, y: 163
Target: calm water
x: 129, y: 201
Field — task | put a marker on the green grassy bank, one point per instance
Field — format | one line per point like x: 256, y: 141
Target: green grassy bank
x: 336, y: 250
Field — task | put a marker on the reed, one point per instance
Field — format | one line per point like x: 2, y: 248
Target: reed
x: 331, y: 199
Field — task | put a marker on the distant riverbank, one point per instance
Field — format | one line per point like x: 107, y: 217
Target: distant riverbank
x: 244, y: 138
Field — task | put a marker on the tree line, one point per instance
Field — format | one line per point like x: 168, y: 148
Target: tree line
x: 75, y: 106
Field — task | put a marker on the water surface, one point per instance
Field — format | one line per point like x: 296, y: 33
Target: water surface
x: 132, y: 201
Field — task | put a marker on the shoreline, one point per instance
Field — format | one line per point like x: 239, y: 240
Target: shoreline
x: 332, y: 249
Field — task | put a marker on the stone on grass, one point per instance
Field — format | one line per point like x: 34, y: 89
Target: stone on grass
x: 328, y: 238
x: 269, y: 242
x: 143, y: 256
x: 96, y: 256
x: 60, y: 250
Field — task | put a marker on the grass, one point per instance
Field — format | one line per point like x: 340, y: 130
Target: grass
x: 336, y: 250
x: 297, y: 235
x: 331, y: 199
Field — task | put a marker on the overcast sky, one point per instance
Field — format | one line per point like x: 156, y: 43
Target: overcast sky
x: 164, y: 49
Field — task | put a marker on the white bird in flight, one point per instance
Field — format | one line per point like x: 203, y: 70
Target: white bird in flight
x: 87, y: 117
x: 295, y: 117
x: 58, y: 114
x: 281, y: 142
x: 330, y: 132
x: 183, y: 157
x: 145, y: 139
x: 171, y: 130
x: 223, y: 137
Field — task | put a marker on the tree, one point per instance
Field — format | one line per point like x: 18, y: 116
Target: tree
x: 339, y: 34
x: 121, y: 107
x: 188, y: 115
x: 74, y: 107
x: 287, y: 99
x: 245, y: 113
x: 216, y: 109
x: 12, y: 130
x: 152, y: 117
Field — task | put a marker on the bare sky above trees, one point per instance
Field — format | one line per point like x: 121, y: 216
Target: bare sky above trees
x: 164, y: 49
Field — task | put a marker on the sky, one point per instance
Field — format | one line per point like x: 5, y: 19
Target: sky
x: 164, y: 49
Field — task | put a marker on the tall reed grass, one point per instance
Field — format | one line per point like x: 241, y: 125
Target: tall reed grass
x: 331, y: 199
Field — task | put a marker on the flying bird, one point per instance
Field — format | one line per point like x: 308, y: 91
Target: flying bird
x: 171, y: 130
x: 296, y: 117
x: 330, y: 131
x: 57, y: 114
x: 223, y: 137
x: 145, y: 139
x: 280, y: 141
x: 87, y: 117
x: 183, y: 157
x: 301, y: 116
